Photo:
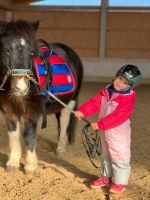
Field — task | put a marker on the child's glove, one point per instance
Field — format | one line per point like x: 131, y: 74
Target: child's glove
x: 78, y: 114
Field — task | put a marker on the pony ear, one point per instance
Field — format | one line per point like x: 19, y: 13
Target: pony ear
x: 36, y: 25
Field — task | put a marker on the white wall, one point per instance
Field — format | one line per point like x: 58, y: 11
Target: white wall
x: 104, y: 70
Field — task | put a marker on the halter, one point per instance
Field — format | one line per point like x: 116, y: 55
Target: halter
x: 28, y: 72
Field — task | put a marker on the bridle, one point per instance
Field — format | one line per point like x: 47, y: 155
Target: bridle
x: 29, y: 72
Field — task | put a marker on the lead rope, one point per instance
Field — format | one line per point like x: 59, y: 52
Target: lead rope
x: 92, y: 149
x: 93, y: 144
x: 55, y: 97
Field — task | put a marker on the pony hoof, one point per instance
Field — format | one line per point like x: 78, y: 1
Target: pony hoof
x: 60, y: 154
x: 10, y: 168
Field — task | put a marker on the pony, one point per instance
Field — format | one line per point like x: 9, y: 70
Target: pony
x: 21, y: 99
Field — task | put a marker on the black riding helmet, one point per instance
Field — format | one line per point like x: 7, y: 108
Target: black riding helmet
x: 131, y: 73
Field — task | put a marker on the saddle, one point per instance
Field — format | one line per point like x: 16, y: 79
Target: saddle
x: 62, y: 81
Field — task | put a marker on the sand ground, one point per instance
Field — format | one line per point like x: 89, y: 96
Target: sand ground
x: 68, y: 177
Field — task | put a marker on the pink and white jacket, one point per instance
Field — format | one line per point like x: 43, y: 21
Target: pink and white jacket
x: 113, y: 112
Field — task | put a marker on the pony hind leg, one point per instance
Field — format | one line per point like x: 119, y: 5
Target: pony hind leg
x: 13, y: 162
x: 64, y: 123
x: 58, y: 123
x: 72, y: 126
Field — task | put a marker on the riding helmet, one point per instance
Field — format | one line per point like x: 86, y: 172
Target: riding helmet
x: 131, y: 73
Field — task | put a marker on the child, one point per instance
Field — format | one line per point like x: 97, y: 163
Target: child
x: 115, y: 105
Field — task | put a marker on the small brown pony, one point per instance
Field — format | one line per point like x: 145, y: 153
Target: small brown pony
x: 18, y: 96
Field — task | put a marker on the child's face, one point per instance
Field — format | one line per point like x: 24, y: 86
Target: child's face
x: 120, y: 83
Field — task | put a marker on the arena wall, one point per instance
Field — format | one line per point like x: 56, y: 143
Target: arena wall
x: 127, y: 38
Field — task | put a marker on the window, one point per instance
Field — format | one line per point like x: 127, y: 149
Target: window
x: 67, y: 3
x: 129, y: 3
x: 119, y: 3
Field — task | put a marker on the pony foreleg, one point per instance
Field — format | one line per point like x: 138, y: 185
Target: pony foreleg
x: 31, y: 162
x: 64, y: 123
x: 29, y: 137
x: 15, y: 146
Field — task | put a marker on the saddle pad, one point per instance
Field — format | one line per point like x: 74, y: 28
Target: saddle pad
x: 62, y: 78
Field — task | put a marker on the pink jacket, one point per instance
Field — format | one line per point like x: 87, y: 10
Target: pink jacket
x: 114, y: 122
x: 113, y: 112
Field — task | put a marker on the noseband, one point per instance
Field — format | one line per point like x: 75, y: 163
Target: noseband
x: 15, y: 72
x: 21, y: 72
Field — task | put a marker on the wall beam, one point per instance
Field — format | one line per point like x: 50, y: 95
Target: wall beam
x: 103, y: 25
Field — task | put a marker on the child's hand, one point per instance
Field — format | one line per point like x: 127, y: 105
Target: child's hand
x: 78, y: 114
x: 94, y: 126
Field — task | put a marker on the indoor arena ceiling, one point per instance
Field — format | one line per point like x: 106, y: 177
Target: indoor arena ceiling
x: 22, y: 1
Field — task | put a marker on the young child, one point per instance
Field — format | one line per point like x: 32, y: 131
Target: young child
x: 115, y: 105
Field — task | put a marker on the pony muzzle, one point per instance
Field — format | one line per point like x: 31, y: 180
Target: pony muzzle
x: 20, y: 85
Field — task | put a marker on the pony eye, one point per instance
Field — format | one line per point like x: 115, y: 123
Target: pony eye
x: 7, y: 50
